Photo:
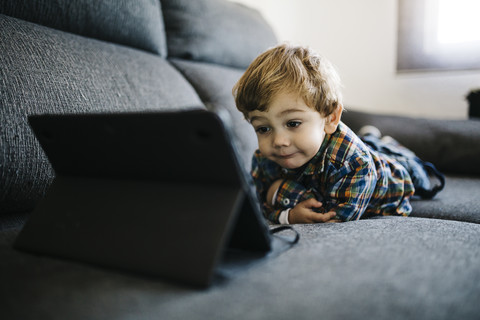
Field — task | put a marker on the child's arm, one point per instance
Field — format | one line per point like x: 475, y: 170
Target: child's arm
x: 263, y: 182
x: 289, y: 195
x: 348, y: 193
x: 298, y: 209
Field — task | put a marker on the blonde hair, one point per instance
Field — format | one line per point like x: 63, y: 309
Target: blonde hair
x: 293, y: 69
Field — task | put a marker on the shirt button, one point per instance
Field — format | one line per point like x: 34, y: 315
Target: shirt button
x: 284, y: 170
x: 286, y: 202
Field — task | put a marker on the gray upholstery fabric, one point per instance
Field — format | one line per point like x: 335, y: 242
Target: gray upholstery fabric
x: 458, y: 201
x: 136, y: 23
x: 214, y: 85
x: 47, y: 71
x: 452, y: 145
x: 389, y: 268
x: 216, y: 31
x: 385, y: 268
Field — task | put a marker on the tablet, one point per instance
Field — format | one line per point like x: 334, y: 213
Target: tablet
x: 159, y: 193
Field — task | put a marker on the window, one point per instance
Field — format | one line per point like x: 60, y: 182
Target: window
x: 438, y: 35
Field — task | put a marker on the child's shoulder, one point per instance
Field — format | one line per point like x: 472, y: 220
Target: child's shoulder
x: 345, y: 146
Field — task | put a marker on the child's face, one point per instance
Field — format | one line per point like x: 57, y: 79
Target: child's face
x: 289, y: 132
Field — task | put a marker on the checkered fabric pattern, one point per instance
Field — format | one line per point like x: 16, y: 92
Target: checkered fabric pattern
x: 346, y: 175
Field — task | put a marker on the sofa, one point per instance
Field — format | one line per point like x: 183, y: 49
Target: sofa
x: 115, y: 56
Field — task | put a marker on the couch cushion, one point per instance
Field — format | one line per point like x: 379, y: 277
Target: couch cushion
x: 43, y: 70
x: 452, y: 145
x: 395, y: 268
x: 137, y: 23
x: 214, y: 85
x: 216, y: 31
x: 458, y: 201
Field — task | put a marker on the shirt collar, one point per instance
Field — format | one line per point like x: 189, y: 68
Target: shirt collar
x: 317, y: 163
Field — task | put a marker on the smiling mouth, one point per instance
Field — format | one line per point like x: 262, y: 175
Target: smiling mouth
x: 286, y: 156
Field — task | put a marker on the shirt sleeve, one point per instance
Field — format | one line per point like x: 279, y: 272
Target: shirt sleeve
x: 289, y: 194
x: 262, y: 183
x: 351, y: 187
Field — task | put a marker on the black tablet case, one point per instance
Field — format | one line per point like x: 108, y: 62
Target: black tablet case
x: 157, y: 193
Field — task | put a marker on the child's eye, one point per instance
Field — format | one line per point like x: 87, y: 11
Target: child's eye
x: 262, y: 130
x: 293, y: 124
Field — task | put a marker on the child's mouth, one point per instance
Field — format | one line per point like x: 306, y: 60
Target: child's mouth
x: 286, y: 156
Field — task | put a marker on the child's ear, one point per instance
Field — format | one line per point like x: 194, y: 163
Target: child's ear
x: 332, y: 120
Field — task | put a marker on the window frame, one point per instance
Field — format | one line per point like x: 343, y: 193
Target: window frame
x: 416, y: 51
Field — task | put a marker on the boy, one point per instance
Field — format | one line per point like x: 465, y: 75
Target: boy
x: 310, y: 167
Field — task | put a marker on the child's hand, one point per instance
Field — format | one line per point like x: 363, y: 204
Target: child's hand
x: 304, y: 213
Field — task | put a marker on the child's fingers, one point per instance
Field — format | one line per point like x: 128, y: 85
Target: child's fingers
x: 304, y: 213
x: 334, y: 221
x: 324, y: 217
x: 312, y: 203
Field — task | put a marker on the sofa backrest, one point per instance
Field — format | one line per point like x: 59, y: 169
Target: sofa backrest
x: 64, y: 56
x: 215, y: 31
x: 135, y: 23
x: 43, y: 70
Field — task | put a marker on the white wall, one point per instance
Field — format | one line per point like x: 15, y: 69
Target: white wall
x: 359, y: 37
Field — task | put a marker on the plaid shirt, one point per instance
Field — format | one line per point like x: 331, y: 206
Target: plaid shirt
x: 346, y: 175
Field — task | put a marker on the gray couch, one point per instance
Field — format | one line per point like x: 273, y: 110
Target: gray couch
x: 148, y: 55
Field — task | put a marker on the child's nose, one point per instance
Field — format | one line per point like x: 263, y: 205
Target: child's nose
x: 280, y: 139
